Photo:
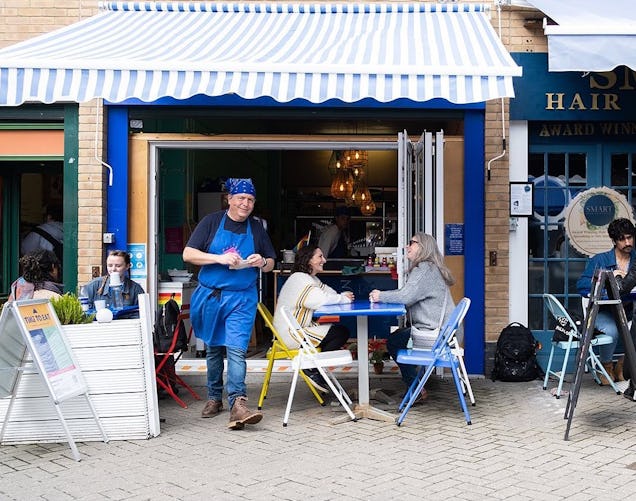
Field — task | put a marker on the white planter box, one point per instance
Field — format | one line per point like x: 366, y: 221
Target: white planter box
x: 117, y: 362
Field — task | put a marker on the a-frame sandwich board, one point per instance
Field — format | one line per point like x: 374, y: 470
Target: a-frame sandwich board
x: 604, y: 292
x: 32, y: 325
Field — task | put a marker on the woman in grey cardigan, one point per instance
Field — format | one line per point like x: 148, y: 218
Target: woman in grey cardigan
x: 425, y: 293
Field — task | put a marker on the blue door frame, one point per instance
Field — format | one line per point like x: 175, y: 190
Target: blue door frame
x: 117, y: 118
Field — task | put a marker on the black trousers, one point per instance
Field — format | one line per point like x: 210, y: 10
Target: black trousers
x: 335, y: 339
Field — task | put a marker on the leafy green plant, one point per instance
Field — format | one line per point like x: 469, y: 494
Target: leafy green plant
x: 69, y: 310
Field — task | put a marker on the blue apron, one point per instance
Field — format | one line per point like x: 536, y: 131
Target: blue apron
x: 223, y: 306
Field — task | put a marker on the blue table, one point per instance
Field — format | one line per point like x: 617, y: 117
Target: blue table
x: 362, y: 310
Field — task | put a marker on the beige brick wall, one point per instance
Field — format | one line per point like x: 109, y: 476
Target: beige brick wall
x: 24, y: 19
x: 518, y: 35
x: 93, y: 178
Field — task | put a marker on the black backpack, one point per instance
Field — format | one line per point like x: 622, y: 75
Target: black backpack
x: 167, y: 317
x: 515, y: 356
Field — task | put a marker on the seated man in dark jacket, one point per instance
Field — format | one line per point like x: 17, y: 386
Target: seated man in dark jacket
x: 619, y: 259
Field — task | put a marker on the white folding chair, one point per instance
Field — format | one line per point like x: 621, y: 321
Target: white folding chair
x: 458, y: 351
x: 309, y: 357
x: 573, y: 343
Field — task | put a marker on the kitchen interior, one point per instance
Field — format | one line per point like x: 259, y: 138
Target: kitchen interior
x: 312, y: 184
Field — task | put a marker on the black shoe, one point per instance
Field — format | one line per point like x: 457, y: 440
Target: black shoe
x: 317, y: 381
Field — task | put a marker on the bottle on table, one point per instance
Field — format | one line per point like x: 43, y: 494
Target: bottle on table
x: 116, y: 292
x: 83, y: 298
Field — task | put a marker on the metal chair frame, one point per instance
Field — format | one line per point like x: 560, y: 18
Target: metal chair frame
x: 441, y: 354
x: 309, y: 357
x: 592, y: 363
x: 278, y: 351
x: 166, y: 378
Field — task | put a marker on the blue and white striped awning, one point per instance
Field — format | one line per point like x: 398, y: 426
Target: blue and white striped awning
x: 316, y: 52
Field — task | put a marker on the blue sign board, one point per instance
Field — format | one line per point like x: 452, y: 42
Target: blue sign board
x: 138, y: 257
x: 454, y: 239
x: 572, y: 95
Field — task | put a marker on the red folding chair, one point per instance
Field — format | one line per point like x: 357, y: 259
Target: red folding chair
x: 165, y: 373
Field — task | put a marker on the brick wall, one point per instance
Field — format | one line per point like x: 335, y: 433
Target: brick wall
x: 518, y: 35
x: 24, y: 19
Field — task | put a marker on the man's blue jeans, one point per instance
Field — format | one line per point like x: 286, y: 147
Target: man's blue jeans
x: 236, y: 372
x: 605, y: 322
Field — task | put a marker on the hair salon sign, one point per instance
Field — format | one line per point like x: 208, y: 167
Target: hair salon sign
x: 587, y: 217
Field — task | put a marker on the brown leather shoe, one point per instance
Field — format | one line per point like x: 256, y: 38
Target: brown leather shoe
x: 618, y: 370
x: 241, y: 415
x: 212, y: 408
x: 609, y: 368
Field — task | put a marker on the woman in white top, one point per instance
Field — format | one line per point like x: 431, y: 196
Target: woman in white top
x: 302, y: 294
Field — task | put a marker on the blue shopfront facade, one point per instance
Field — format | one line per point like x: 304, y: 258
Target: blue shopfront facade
x: 581, y: 134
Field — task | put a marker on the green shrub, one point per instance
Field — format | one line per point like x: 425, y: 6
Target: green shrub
x: 69, y: 310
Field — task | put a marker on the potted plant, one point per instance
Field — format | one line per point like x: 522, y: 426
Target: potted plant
x: 377, y: 354
x: 69, y: 310
x: 353, y: 348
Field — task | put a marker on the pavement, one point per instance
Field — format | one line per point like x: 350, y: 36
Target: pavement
x: 514, y: 449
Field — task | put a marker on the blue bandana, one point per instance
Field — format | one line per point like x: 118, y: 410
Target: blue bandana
x: 235, y: 185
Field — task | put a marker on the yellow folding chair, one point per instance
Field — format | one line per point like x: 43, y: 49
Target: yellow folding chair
x: 278, y: 351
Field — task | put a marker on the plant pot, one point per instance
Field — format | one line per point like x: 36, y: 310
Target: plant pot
x: 378, y: 367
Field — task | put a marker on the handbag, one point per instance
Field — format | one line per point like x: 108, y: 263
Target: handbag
x: 424, y: 339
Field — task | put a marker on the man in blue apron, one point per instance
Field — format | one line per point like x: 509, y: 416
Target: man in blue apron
x: 230, y: 246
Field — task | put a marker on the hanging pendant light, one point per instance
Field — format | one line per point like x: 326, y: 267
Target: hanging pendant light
x: 368, y: 209
x: 348, y: 178
x: 335, y: 163
x: 339, y: 185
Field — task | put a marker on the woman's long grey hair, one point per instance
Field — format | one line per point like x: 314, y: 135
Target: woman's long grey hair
x: 427, y: 251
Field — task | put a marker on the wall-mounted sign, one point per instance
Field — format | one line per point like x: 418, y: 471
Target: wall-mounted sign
x: 454, y: 239
x: 521, y: 199
x: 587, y: 217
x: 138, y: 259
x: 551, y: 95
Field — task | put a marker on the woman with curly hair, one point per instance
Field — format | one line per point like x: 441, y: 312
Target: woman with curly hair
x: 40, y: 275
x: 302, y: 294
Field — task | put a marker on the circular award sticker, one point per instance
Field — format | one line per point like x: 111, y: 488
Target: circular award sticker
x: 587, y: 217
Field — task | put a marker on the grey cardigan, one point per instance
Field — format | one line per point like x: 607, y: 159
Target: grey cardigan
x: 423, y: 295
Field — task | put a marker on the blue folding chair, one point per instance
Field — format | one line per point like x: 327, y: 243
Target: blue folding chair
x: 441, y: 354
x: 592, y: 361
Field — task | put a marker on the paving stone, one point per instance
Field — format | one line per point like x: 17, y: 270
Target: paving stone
x: 513, y: 450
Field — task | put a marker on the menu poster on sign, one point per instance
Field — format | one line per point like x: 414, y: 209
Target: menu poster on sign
x: 49, y: 346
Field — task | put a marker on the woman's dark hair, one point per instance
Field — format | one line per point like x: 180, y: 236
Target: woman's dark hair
x: 303, y: 256
x: 619, y: 227
x: 37, y: 266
